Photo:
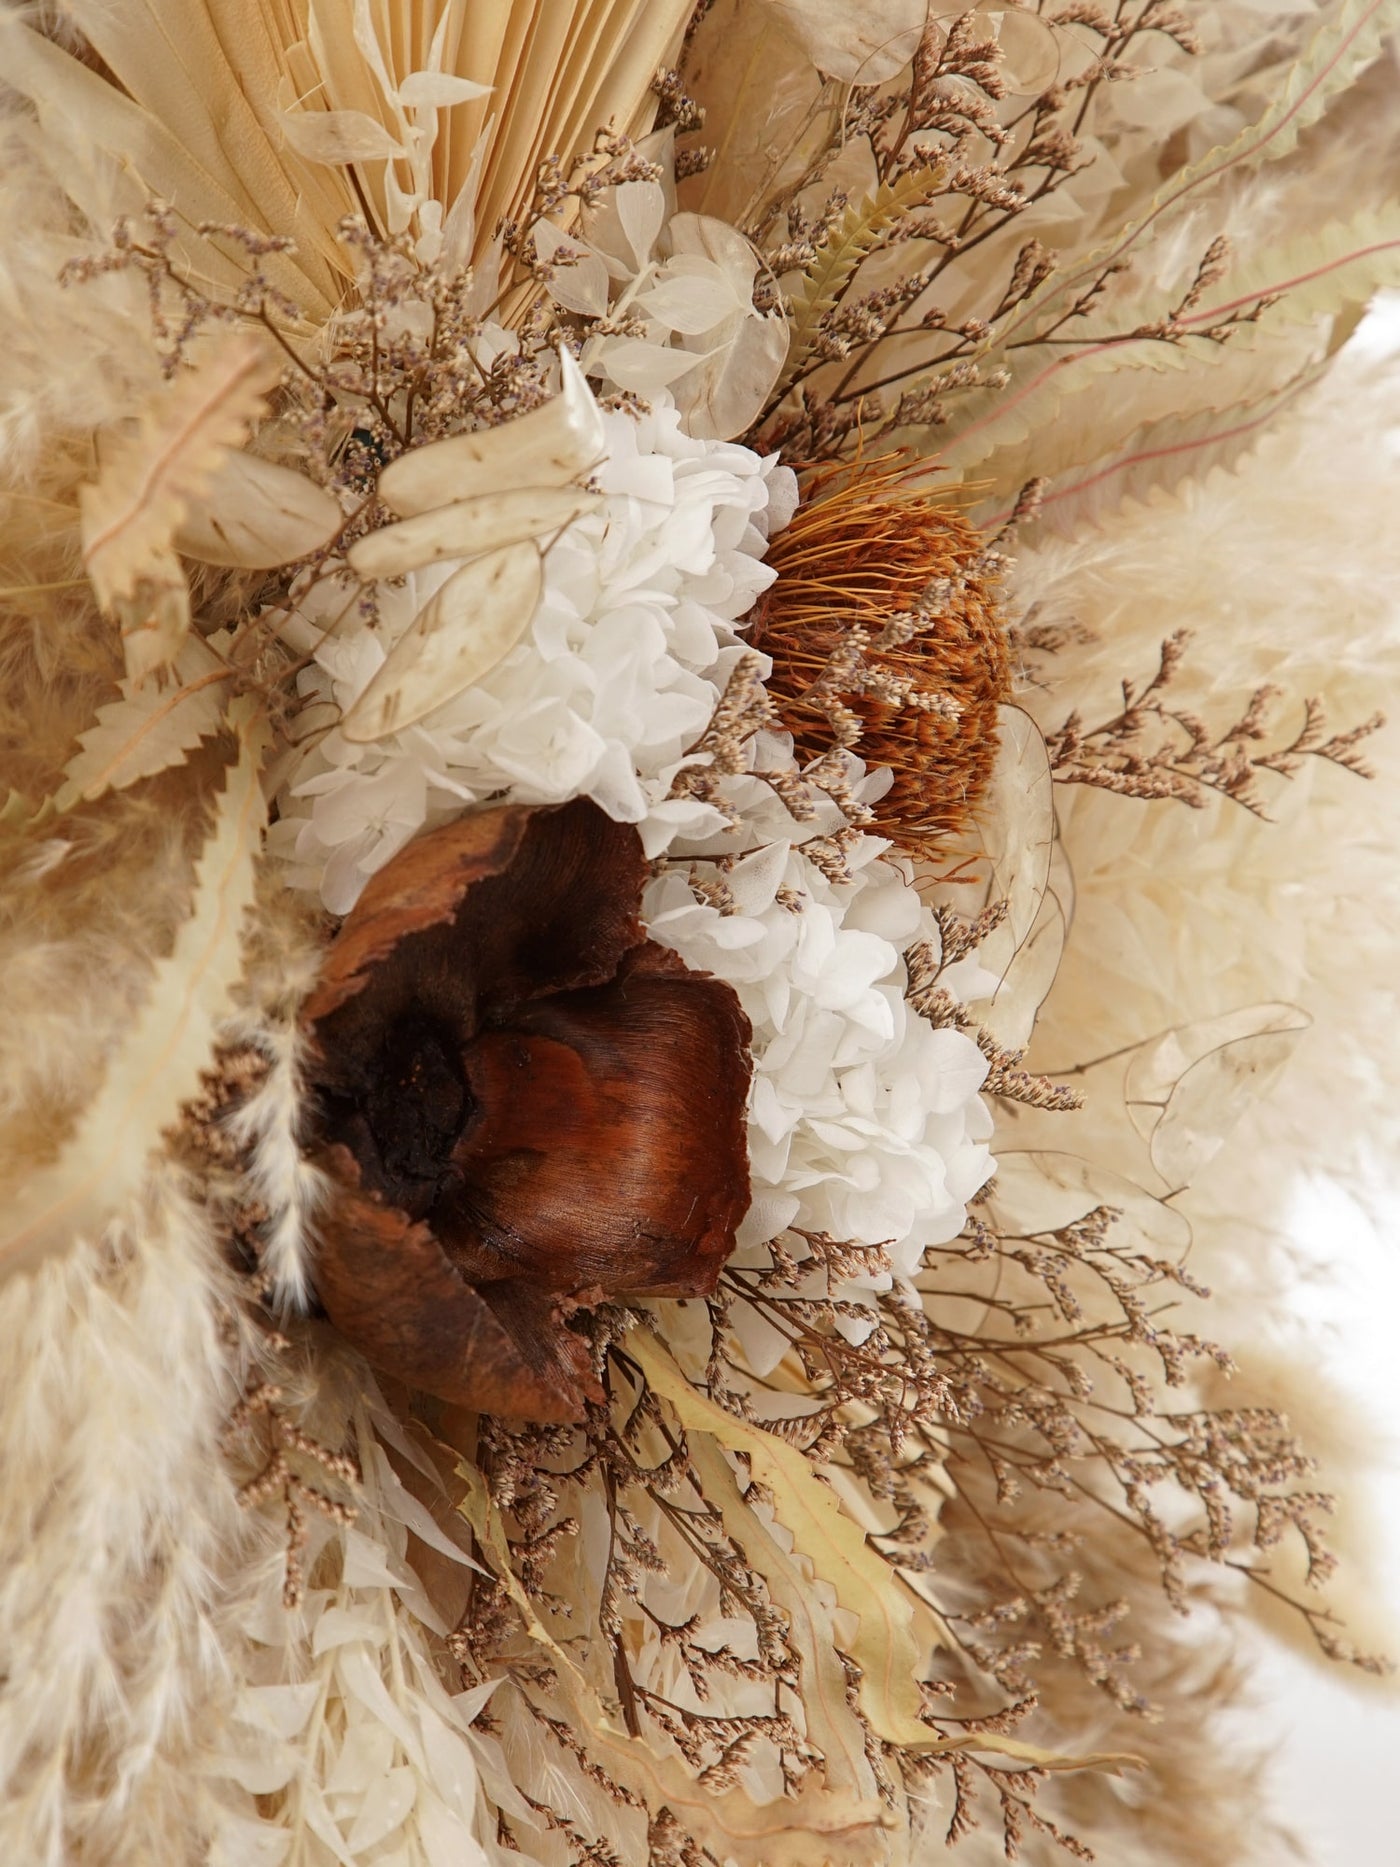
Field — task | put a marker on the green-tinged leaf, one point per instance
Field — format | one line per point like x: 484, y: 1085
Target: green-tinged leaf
x: 814, y: 1829
x: 1161, y: 454
x: 1216, y: 415
x: 158, y: 1066
x: 148, y: 730
x: 854, y: 237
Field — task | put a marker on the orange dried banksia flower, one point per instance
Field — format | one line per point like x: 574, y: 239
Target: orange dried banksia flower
x: 886, y: 635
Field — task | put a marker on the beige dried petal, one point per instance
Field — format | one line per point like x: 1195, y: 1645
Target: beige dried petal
x: 477, y: 616
x: 550, y: 446
x: 467, y: 529
x: 256, y: 515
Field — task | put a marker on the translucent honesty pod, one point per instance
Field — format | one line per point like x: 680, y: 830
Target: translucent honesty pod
x: 1186, y: 1091
x: 255, y: 515
x: 550, y: 446
x: 467, y: 528
x: 477, y: 616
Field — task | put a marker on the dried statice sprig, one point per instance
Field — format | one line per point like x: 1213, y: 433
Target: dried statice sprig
x: 1152, y: 750
x: 951, y: 159
x: 945, y: 1012
x: 259, y: 1420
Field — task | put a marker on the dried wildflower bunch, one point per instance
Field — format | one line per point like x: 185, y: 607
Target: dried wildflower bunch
x: 531, y: 904
x: 886, y: 635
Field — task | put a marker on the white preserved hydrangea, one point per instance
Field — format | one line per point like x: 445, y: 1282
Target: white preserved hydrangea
x: 865, y: 1122
x: 632, y: 643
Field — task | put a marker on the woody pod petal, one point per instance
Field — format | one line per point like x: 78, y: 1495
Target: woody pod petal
x: 525, y: 1107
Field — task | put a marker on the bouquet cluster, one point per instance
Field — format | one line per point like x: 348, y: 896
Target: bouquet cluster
x: 648, y: 652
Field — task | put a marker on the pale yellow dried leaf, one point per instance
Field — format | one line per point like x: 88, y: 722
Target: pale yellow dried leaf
x: 132, y: 511
x: 832, y: 1726
x: 101, y: 1165
x: 148, y: 730
x: 814, y: 1829
x: 468, y: 528
x: 475, y: 619
x: 256, y: 514
x: 897, y: 1635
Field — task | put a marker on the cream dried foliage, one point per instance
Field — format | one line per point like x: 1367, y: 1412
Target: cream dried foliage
x: 285, y: 118
x: 1287, y: 567
x: 118, y: 1526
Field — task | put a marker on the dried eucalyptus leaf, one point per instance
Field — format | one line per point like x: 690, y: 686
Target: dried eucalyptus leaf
x: 467, y: 528
x: 159, y: 1065
x: 550, y: 446
x: 477, y: 616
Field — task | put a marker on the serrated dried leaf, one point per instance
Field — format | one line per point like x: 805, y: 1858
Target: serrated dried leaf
x: 159, y: 1065
x: 477, y: 617
x: 155, y: 619
x: 148, y: 730
x: 550, y: 446
x: 132, y: 511
x: 256, y: 514
x: 468, y: 528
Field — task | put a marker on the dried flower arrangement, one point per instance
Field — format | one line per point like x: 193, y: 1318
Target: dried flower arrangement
x: 561, y: 569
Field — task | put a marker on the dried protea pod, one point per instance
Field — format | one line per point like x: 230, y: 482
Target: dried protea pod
x: 886, y: 636
x: 525, y: 1104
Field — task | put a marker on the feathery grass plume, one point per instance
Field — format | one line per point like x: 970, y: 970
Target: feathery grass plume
x: 118, y: 1531
x: 886, y: 633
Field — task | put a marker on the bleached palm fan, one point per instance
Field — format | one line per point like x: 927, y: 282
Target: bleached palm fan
x: 572, y: 713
